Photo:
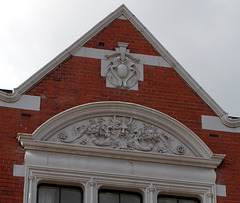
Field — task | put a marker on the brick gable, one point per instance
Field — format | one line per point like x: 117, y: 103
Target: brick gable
x: 122, y: 31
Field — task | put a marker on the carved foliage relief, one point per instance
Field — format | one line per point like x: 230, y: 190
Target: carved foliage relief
x: 121, y: 133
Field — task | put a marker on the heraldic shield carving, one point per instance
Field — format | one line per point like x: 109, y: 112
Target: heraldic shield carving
x: 122, y: 69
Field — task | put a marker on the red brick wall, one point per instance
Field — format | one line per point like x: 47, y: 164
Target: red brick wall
x: 11, y: 188
x: 122, y: 31
x: 77, y: 81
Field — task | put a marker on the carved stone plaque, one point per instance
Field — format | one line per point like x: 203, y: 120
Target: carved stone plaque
x: 121, y: 69
x: 121, y: 133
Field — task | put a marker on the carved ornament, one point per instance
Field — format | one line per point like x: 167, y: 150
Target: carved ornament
x: 121, y: 133
x: 121, y: 69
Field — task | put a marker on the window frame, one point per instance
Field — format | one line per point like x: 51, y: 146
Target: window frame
x: 178, y: 198
x: 121, y: 192
x: 60, y: 187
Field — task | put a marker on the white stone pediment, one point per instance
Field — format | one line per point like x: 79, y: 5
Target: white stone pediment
x: 118, y: 145
x: 115, y: 129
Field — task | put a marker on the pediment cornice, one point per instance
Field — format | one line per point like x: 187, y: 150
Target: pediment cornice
x: 121, y: 131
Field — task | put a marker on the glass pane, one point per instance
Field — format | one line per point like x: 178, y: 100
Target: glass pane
x: 108, y: 197
x: 48, y: 194
x: 72, y: 195
x: 167, y: 200
x: 187, y: 201
x: 130, y: 198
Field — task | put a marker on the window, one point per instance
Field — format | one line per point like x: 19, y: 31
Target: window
x: 59, y: 194
x: 114, y: 196
x: 174, y: 199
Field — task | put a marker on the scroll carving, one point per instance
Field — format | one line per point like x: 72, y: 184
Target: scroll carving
x: 121, y: 133
x: 122, y: 69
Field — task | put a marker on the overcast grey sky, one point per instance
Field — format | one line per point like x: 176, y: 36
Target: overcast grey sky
x: 203, y: 35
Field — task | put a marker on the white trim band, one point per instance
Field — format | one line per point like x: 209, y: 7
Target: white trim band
x: 27, y: 102
x: 214, y: 123
x: 101, y: 54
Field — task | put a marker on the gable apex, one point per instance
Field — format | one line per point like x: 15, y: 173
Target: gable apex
x: 125, y: 14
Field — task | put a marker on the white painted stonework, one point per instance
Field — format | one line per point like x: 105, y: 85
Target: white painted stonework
x: 101, y: 54
x: 27, y: 102
x: 215, y: 123
x: 94, y: 167
x: 122, y: 17
x: 121, y: 68
x: 19, y: 170
x: 118, y: 132
x: 221, y: 190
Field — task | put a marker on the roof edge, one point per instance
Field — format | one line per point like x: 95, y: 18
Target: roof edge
x: 177, y: 67
x: 230, y: 122
x: 17, y: 92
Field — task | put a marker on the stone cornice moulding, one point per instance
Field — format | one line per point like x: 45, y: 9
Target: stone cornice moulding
x: 29, y: 143
x: 117, y: 181
x: 230, y: 122
x: 37, y: 140
x: 122, y: 10
x: 102, y: 178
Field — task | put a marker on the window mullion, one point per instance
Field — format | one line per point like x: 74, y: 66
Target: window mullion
x: 60, y: 191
